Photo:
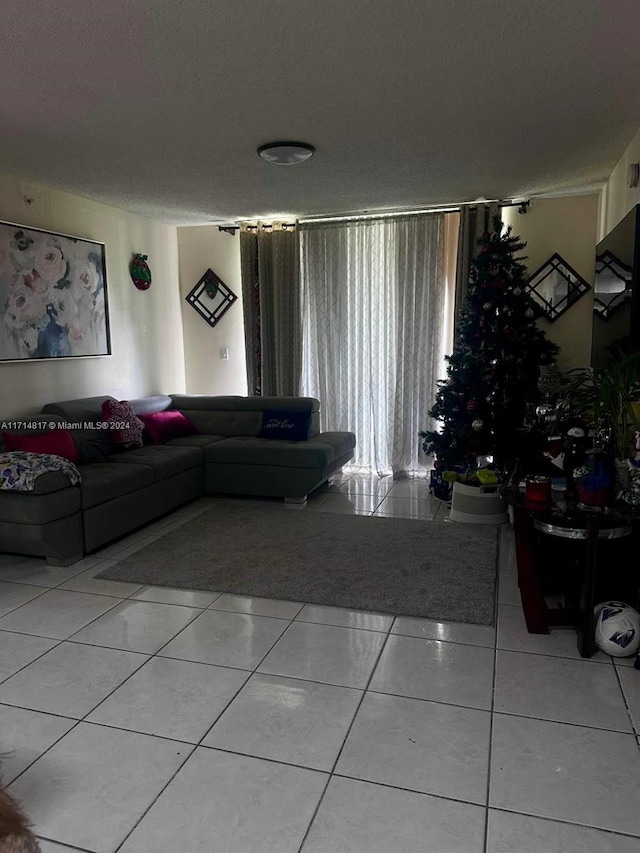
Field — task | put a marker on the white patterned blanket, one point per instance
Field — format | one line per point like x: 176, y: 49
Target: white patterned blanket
x: 19, y: 470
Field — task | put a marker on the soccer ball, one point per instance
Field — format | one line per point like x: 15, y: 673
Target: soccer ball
x: 617, y: 628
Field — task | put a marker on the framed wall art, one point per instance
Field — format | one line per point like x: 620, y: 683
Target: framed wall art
x: 53, y: 295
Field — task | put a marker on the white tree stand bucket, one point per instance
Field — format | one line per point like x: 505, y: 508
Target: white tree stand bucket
x: 471, y: 504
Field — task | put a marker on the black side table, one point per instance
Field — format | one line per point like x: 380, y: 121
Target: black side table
x: 581, y: 535
x: 589, y: 528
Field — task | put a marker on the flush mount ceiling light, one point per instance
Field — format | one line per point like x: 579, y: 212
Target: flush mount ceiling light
x: 286, y: 153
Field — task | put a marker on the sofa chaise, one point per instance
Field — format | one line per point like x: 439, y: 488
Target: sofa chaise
x: 122, y: 491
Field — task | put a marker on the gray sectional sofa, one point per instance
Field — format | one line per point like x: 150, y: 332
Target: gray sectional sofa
x: 122, y: 491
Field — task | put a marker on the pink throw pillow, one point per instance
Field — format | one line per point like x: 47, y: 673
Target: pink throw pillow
x: 58, y: 442
x: 125, y: 427
x: 163, y: 426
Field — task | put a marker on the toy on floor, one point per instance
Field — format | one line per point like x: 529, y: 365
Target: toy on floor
x: 617, y: 630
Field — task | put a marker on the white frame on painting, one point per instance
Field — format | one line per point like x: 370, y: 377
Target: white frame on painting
x: 53, y: 295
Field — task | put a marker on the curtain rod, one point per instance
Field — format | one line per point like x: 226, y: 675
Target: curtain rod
x: 231, y: 229
x: 522, y: 205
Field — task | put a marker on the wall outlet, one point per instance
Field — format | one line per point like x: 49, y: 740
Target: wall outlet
x: 224, y: 353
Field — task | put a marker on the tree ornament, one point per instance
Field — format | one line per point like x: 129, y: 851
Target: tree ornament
x: 516, y: 291
x: 486, y: 306
x: 472, y: 405
x: 140, y: 272
x: 477, y: 425
x: 507, y: 330
x: 529, y: 313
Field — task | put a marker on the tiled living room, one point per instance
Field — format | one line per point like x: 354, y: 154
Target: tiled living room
x: 172, y: 719
x: 253, y: 597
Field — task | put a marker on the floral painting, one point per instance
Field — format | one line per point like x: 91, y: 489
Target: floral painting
x: 53, y: 295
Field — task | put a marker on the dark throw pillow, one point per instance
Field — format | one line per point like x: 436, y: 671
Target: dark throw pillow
x: 57, y: 442
x: 283, y: 424
x: 123, y: 425
x: 163, y: 426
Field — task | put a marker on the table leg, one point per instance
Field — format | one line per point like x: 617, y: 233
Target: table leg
x: 533, y: 603
x: 585, y: 626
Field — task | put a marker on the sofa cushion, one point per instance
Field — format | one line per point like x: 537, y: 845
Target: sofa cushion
x: 80, y: 410
x: 149, y: 405
x: 165, y: 460
x: 205, y: 402
x: 35, y: 508
x: 104, y: 481
x: 342, y: 441
x: 96, y: 446
x: 318, y: 452
x: 239, y: 416
x: 289, y: 404
x: 52, y: 481
x: 195, y: 440
x: 225, y: 423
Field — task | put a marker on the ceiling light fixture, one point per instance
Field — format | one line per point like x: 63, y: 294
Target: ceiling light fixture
x: 285, y: 153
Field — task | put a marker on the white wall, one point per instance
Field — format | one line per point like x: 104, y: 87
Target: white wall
x: 566, y: 225
x: 201, y: 248
x: 146, y: 328
x: 616, y: 198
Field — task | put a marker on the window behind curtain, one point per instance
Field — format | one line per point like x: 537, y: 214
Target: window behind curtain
x: 377, y: 320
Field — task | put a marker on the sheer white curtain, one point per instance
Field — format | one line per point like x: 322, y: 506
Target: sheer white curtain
x: 377, y: 300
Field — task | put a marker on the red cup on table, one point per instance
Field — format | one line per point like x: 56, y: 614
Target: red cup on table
x: 537, y: 493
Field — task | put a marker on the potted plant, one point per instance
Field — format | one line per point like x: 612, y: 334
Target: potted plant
x: 608, y: 398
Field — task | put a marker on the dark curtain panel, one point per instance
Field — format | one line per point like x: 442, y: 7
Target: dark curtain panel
x: 251, y: 309
x: 474, y: 221
x: 270, y: 262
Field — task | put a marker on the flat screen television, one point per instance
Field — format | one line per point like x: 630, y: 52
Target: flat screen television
x: 616, y: 289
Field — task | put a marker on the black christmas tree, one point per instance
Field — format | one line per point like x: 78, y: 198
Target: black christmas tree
x: 493, y: 370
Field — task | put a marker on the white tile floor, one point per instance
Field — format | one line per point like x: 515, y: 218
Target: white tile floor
x: 146, y: 720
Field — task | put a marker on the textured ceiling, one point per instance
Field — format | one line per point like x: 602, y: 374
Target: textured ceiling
x: 158, y: 106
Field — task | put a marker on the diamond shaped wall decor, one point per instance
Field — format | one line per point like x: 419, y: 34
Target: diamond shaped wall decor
x: 555, y: 287
x: 211, y: 297
x: 613, y: 285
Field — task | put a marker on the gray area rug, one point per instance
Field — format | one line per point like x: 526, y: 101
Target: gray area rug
x: 431, y: 569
